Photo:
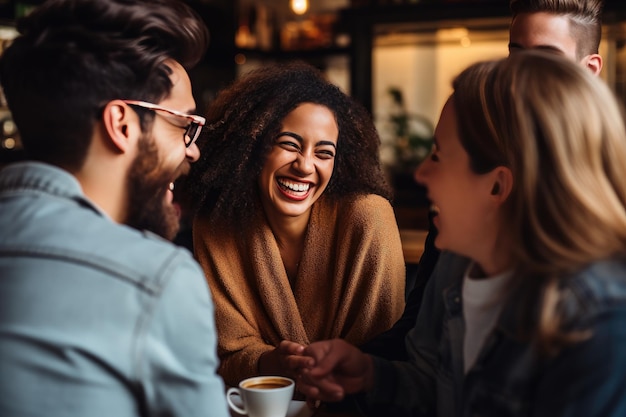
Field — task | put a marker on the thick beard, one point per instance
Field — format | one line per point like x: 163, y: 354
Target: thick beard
x: 146, y: 193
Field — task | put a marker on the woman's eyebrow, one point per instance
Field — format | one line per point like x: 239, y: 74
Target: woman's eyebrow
x: 291, y: 134
x: 326, y: 142
x: 301, y: 139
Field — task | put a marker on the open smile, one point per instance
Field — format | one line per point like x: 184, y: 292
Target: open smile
x: 294, y: 190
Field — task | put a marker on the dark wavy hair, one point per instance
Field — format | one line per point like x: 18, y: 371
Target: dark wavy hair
x: 74, y: 56
x: 244, y: 121
x: 585, y: 17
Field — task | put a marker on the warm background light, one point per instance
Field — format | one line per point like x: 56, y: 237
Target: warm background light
x: 299, y: 6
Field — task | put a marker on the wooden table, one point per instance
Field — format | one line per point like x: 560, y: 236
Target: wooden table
x: 412, y: 244
x: 299, y: 409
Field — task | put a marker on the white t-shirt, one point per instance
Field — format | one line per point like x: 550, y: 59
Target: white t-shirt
x: 483, y: 299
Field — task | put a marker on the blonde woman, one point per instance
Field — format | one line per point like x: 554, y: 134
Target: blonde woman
x: 526, y: 313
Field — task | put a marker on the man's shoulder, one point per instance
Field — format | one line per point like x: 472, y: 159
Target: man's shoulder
x: 65, y: 230
x: 140, y: 255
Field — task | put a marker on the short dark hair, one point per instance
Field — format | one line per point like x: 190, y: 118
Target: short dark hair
x: 74, y: 56
x: 244, y: 121
x: 585, y: 17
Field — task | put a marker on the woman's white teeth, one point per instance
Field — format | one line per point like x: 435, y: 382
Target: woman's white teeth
x: 293, y: 186
x: 171, y: 186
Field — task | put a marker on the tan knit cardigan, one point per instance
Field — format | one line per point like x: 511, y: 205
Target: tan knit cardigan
x: 350, y: 281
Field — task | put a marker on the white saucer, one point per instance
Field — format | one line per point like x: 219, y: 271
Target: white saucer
x: 296, y: 408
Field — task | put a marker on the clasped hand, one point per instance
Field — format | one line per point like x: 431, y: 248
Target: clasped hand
x: 328, y: 370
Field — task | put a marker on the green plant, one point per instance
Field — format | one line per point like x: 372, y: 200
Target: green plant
x: 413, y: 134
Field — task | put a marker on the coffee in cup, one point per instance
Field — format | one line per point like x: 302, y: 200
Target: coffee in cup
x: 262, y: 396
x: 268, y: 382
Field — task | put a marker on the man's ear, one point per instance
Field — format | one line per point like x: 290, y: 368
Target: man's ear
x: 593, y: 62
x: 503, y: 183
x: 120, y: 124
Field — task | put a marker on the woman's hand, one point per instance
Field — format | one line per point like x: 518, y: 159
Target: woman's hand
x: 338, y: 368
x: 285, y: 360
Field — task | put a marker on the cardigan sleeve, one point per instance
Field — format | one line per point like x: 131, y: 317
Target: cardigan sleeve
x: 240, y: 341
x: 372, y: 263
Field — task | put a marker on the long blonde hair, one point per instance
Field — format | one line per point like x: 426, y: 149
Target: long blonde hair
x: 561, y: 132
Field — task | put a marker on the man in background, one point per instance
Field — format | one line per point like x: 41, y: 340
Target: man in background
x: 572, y: 28
x: 100, y: 315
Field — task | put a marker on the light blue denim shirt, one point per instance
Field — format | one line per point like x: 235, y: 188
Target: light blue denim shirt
x: 96, y: 318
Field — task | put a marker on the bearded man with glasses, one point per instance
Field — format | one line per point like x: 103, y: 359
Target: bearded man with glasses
x: 99, y: 314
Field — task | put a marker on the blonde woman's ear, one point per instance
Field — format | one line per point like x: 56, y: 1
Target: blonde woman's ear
x: 503, y: 183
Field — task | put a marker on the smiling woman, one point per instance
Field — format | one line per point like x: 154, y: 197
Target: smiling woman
x: 300, y: 164
x: 313, y: 250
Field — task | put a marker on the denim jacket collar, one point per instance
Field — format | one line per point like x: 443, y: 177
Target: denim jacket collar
x: 37, y: 176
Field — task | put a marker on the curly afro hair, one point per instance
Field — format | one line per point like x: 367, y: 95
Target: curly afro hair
x: 243, y: 122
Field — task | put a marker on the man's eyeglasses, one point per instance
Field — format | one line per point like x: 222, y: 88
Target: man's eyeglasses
x: 192, y: 130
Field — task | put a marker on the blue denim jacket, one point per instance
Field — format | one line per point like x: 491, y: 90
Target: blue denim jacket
x: 509, y: 378
x: 97, y: 319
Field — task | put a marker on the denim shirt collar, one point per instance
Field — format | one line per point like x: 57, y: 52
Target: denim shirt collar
x: 455, y: 329
x: 40, y: 177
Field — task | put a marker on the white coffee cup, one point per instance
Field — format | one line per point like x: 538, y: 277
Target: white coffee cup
x: 262, y: 396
